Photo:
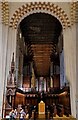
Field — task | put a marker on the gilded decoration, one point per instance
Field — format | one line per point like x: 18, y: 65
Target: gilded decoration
x: 5, y: 12
x: 74, y: 12
x: 47, y: 6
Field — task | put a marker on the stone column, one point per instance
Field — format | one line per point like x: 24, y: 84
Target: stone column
x: 20, y: 73
x: 1, y: 54
x: 70, y: 64
x: 77, y: 70
x: 11, y: 47
x: 4, y: 58
x: 17, y: 57
x: 20, y: 48
x: 62, y: 70
x: 7, y: 49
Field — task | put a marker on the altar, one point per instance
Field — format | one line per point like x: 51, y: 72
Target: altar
x: 41, y: 107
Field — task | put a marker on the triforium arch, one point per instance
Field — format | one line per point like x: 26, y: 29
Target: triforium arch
x: 48, y: 7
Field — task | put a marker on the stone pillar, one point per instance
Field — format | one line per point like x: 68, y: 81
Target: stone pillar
x: 17, y: 57
x: 70, y: 64
x: 77, y: 70
x: 20, y: 70
x: 11, y: 48
x: 4, y: 59
x: 7, y: 49
x: 1, y: 54
x: 62, y: 70
x: 20, y: 48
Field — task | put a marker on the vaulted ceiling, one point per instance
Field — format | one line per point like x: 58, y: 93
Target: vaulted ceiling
x: 41, y: 32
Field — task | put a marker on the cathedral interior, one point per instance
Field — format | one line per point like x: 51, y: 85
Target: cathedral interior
x: 38, y: 63
x: 40, y: 81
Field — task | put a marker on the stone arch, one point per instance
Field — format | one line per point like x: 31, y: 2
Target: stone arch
x: 31, y: 7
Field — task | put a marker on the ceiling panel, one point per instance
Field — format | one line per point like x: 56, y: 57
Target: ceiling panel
x: 41, y: 31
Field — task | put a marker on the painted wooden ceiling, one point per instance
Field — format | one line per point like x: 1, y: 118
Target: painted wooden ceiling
x: 41, y: 32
